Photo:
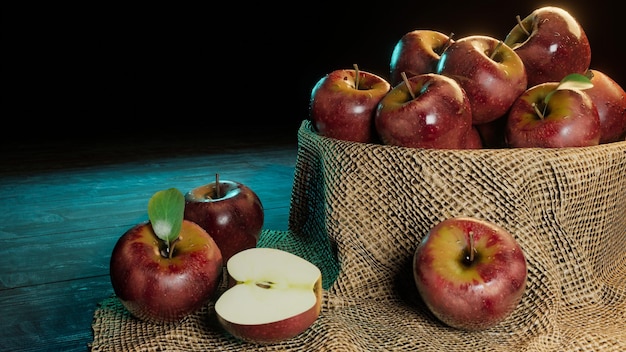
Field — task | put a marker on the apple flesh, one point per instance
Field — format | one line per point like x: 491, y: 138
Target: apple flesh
x: 425, y: 111
x: 159, y: 289
x: 491, y: 74
x: 610, y: 100
x: 343, y: 103
x: 470, y: 273
x: 551, y: 43
x: 416, y: 53
x: 272, y: 295
x: 570, y: 119
x: 231, y: 213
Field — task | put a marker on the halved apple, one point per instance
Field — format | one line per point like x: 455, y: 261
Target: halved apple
x: 273, y: 295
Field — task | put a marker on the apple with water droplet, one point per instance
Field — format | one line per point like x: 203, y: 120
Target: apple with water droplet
x: 166, y: 268
x: 551, y: 43
x: 416, y: 53
x: 554, y: 115
x: 470, y: 273
x: 426, y: 111
x: 231, y: 212
x: 610, y: 100
x: 343, y: 102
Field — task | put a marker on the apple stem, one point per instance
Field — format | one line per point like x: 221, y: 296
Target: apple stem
x: 217, y: 186
x: 408, y: 84
x: 447, y: 44
x: 172, y: 245
x: 495, y: 50
x: 538, y: 111
x: 471, y: 245
x: 357, y: 76
x: 519, y: 22
x: 168, y: 251
x: 442, y: 60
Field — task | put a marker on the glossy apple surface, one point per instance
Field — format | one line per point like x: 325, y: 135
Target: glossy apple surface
x: 232, y: 214
x: 438, y: 117
x: 342, y: 104
x: 273, y: 295
x: 610, y: 100
x: 464, y: 290
x: 491, y: 74
x: 416, y: 53
x: 157, y: 288
x: 552, y: 44
x: 570, y: 119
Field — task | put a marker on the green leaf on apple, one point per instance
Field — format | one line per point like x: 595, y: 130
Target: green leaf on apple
x: 165, y: 211
x: 575, y: 81
x: 571, y: 81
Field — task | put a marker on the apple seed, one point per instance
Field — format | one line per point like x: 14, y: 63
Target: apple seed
x: 265, y: 284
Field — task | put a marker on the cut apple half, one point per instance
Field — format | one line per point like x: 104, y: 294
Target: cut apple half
x: 273, y: 295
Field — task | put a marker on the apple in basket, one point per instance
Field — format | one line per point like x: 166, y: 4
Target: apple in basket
x: 610, y: 100
x: 491, y: 74
x: 554, y: 115
x: 343, y: 102
x: 551, y: 43
x: 474, y: 139
x: 229, y: 211
x: 492, y: 133
x: 425, y: 111
x: 416, y: 53
x: 470, y: 273
x: 272, y: 295
x: 166, y: 268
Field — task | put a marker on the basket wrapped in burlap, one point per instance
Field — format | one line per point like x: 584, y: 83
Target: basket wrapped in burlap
x: 358, y: 211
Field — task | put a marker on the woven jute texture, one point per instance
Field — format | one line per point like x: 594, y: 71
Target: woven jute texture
x: 358, y: 211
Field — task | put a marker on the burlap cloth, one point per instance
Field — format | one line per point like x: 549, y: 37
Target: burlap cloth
x: 358, y: 211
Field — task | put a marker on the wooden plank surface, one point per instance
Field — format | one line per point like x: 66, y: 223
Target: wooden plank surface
x: 63, y: 206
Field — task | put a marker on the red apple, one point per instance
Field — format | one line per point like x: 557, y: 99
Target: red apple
x: 425, y: 111
x: 343, y: 103
x: 416, y: 53
x: 272, y: 295
x: 470, y: 273
x: 551, y: 43
x: 610, y: 100
x: 473, y: 139
x: 492, y: 133
x: 491, y: 74
x: 163, y: 278
x: 231, y: 213
x: 568, y: 119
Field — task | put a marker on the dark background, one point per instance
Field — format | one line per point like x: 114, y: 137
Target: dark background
x: 93, y: 72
